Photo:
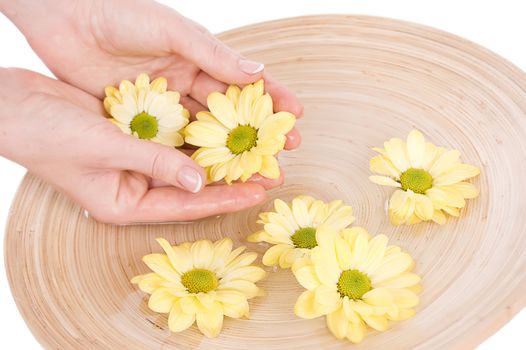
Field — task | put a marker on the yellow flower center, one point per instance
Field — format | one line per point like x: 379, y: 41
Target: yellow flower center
x: 144, y: 125
x: 242, y: 139
x: 305, y: 238
x: 416, y: 180
x: 199, y: 281
x: 353, y: 284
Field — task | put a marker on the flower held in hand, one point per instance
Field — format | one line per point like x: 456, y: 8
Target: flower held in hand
x: 241, y: 134
x: 147, y: 110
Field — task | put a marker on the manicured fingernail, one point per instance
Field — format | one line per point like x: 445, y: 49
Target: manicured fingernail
x: 190, y: 179
x: 250, y: 67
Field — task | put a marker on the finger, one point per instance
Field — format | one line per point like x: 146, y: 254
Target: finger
x: 157, y: 161
x: 171, y: 204
x: 192, y: 105
x: 208, y: 53
x: 203, y: 86
x: 282, y: 97
x: 293, y: 139
x: 267, y: 183
x: 154, y: 183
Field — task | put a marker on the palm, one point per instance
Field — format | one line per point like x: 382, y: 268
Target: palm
x: 109, y: 173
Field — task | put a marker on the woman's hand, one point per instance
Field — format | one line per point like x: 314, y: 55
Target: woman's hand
x: 58, y: 133
x: 91, y: 44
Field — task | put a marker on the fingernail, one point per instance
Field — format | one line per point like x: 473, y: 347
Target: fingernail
x: 250, y: 67
x: 190, y: 179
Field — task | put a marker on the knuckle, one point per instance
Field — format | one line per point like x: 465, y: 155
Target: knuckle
x: 158, y: 165
x: 110, y: 214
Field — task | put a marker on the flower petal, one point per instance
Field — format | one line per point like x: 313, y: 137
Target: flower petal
x: 244, y: 104
x: 355, y: 332
x: 337, y: 323
x: 306, y: 276
x: 206, y: 134
x: 423, y: 207
x: 209, y: 156
x: 235, y: 304
x: 439, y: 217
x: 269, y: 167
x: 149, y: 282
x: 377, y: 247
x: 222, y: 109
x: 210, y: 321
x: 178, y: 321
x: 416, y: 147
x: 392, y: 266
x: 407, y: 279
x: 455, y: 174
x: 383, y: 166
x: 277, y: 124
x: 261, y: 109
x: 161, y: 300
x: 249, y: 289
x: 160, y: 264
x: 384, y: 181
x: 397, y: 152
x: 305, y: 306
x: 301, y: 213
x: 202, y: 253
x: 232, y: 93
x: 272, y: 255
x: 376, y: 322
x: 447, y: 160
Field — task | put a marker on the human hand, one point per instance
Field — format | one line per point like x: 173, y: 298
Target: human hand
x: 58, y: 133
x: 91, y: 44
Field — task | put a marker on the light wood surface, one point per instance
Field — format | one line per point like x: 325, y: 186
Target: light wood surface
x: 362, y: 80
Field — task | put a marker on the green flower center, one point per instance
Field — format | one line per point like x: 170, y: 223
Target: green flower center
x: 242, y: 139
x: 199, y: 281
x: 305, y: 238
x: 416, y: 180
x: 144, y: 125
x: 353, y: 284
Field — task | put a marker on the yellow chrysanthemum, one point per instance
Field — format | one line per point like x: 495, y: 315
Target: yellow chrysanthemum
x: 293, y: 228
x: 202, y: 282
x: 357, y: 281
x: 147, y: 110
x: 241, y: 134
x: 431, y: 179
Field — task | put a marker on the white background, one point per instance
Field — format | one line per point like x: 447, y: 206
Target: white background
x: 497, y: 25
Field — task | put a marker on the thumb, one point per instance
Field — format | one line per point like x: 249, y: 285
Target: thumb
x: 159, y: 162
x: 198, y: 45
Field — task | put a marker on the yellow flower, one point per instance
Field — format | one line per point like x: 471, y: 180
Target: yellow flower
x: 430, y: 179
x: 357, y: 281
x: 293, y: 228
x: 147, y: 111
x: 241, y: 134
x: 200, y: 282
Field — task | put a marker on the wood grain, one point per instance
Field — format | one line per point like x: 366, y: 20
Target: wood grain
x: 362, y: 80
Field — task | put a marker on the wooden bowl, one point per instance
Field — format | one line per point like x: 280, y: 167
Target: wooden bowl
x: 362, y: 80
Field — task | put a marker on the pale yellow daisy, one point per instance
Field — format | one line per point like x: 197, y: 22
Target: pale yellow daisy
x: 356, y: 281
x: 293, y: 228
x: 241, y: 134
x: 147, y: 110
x: 431, y: 180
x: 200, y: 282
